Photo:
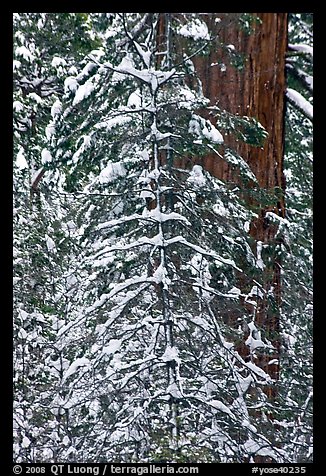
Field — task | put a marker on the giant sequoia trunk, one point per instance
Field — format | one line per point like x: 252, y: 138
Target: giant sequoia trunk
x: 257, y: 91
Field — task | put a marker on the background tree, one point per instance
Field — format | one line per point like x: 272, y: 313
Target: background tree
x: 163, y: 288
x: 297, y: 272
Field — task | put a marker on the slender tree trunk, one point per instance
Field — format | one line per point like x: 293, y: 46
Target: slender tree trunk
x: 258, y: 91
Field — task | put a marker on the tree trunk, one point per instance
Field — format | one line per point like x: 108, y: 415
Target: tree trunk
x: 257, y: 91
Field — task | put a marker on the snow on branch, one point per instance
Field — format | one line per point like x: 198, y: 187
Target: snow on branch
x: 154, y: 216
x: 199, y: 249
x: 301, y: 48
x: 306, y: 79
x: 154, y: 78
x: 300, y: 102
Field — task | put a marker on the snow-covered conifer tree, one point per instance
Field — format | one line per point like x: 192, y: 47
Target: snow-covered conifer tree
x: 159, y: 377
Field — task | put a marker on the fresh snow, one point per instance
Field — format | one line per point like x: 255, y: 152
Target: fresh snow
x: 111, y: 172
x: 113, y: 346
x: 154, y: 78
x: 26, y: 442
x: 21, y: 160
x: 160, y: 276
x: 259, y: 263
x: 302, y: 48
x: 134, y: 100
x: 258, y: 371
x: 195, y: 29
x: 170, y: 354
x: 57, y: 61
x: 81, y: 362
x: 46, y: 156
x: 204, y: 129
x: 56, y: 108
x: 113, y: 122
x: 218, y: 405
x: 25, y: 53
x: 50, y: 244
x: 196, y: 176
x: 35, y: 97
x: 70, y: 85
x: 145, y: 55
x: 50, y: 130
x: 18, y: 106
x: 22, y: 334
x: 300, y: 102
x: 83, y: 92
x: 174, y: 390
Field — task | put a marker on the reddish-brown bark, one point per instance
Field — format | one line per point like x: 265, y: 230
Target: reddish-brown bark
x: 257, y: 91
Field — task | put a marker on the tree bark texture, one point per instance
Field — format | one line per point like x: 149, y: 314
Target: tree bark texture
x: 258, y: 91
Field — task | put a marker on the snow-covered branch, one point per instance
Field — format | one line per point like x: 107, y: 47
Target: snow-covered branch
x: 300, y: 102
x: 301, y: 48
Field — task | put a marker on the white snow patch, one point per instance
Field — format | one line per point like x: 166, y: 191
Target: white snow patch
x: 220, y: 209
x: 26, y: 442
x: 57, y: 61
x: 204, y: 129
x: 256, y: 292
x: 258, y: 371
x: 134, y: 100
x: 46, y: 156
x: 196, y: 176
x: 244, y: 383
x: 234, y: 292
x: 50, y: 244
x: 195, y: 29
x: 56, y: 108
x: 50, y: 130
x: 18, y: 106
x: 145, y: 55
x: 21, y: 160
x: 246, y: 226
x: 300, y: 102
x: 161, y: 217
x: 111, y: 172
x: 254, y: 448
x: 113, y: 346
x: 254, y: 339
x: 170, y: 354
x: 86, y: 71
x: 16, y: 65
x: 83, y: 92
x: 160, y: 276
x: 259, y: 263
x: 152, y: 77
x: 218, y: 405
x: 22, y: 334
x: 254, y: 343
x: 113, y: 122
x: 97, y: 53
x: 35, y: 97
x: 25, y: 53
x: 70, y: 84
x: 81, y: 362
x: 174, y: 390
x: 302, y: 48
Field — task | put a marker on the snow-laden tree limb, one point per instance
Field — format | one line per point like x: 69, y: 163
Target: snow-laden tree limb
x: 301, y: 48
x: 300, y: 102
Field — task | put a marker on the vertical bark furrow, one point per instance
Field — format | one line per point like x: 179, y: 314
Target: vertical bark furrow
x: 256, y: 91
